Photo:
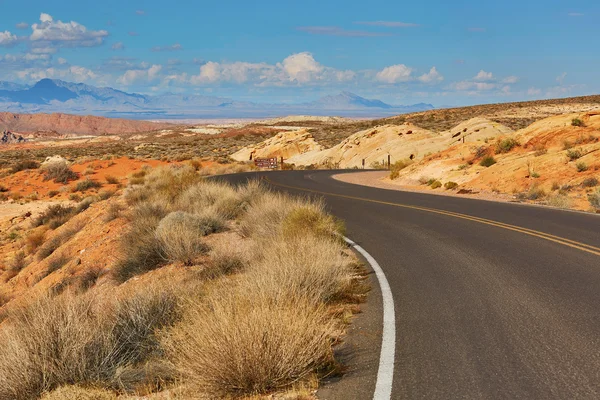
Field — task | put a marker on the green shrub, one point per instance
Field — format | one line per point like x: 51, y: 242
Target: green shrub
x: 581, y: 166
x: 398, y: 166
x: 488, y: 161
x: 450, y: 185
x: 506, y: 145
x: 436, y: 184
x: 590, y: 182
x: 577, y: 122
x: 86, y: 184
x: 574, y: 154
x: 23, y: 165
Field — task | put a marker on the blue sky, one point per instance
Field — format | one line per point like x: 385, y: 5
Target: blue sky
x: 440, y: 52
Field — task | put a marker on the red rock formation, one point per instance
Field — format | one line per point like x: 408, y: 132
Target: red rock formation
x: 74, y: 124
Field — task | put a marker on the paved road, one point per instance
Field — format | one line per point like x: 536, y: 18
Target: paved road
x: 500, y: 301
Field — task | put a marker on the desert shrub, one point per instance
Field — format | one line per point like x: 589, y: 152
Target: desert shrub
x: 534, y: 193
x: 111, y: 180
x: 227, y: 258
x: 243, y: 343
x: 398, y: 166
x: 59, y: 172
x: 165, y: 183
x: 85, y: 204
x: 506, y: 145
x: 310, y: 220
x: 3, y: 189
x: 106, y: 194
x: 487, y: 161
x: 74, y: 197
x: 594, y: 199
x: 179, y: 237
x: 113, y: 212
x: 450, y: 185
x: 54, y: 216
x: 574, y: 154
x: 85, y: 340
x: 590, y: 182
x: 57, y: 262
x: 212, y: 197
x: 581, y: 166
x: 480, y: 151
x: 559, y: 200
x: 23, y: 165
x: 88, y: 278
x: 539, y: 150
x: 436, y: 184
x: 86, y: 184
x: 53, y: 193
x: 463, y: 167
x: 555, y: 186
x: 34, y: 240
x: 424, y: 180
x: 18, y: 262
x: 577, y: 122
x: 139, y: 246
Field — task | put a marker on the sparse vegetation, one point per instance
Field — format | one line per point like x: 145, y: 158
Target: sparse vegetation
x: 24, y: 165
x: 59, y: 172
x: 450, y: 185
x: 594, y: 199
x: 581, y: 166
x: 577, y: 122
x: 590, y: 182
x: 86, y: 184
x: 398, y: 166
x: 488, y: 161
x: 506, y: 145
x: 436, y: 184
x: 55, y: 216
x: 574, y: 154
x: 111, y: 180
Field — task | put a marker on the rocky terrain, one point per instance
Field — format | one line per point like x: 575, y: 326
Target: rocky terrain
x: 74, y: 124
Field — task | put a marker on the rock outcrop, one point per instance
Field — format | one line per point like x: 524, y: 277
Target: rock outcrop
x: 9, y: 138
x: 284, y: 144
x: 74, y: 124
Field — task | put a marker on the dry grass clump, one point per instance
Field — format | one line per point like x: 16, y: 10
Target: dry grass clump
x: 86, y: 340
x: 55, y: 216
x: 86, y: 184
x: 59, y: 172
x: 308, y: 266
x: 34, y: 240
x: 244, y: 343
x: 594, y: 199
x: 74, y: 392
x: 55, y: 242
x: 24, y: 165
x: 179, y: 236
x: 398, y: 166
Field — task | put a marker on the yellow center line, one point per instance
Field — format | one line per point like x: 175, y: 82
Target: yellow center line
x: 556, y: 239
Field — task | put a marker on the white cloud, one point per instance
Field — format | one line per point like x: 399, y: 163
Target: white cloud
x: 62, y: 61
x: 73, y: 73
x: 561, y: 78
x: 8, y: 39
x: 140, y: 12
x: 337, y: 31
x: 133, y: 75
x: 533, y: 91
x: 51, y: 33
x: 173, y: 47
x: 22, y: 25
x: 118, y: 46
x: 433, y: 76
x: 575, y: 14
x: 470, y: 85
x: 394, y: 74
x: 510, y: 79
x: 483, y: 76
x: 297, y: 69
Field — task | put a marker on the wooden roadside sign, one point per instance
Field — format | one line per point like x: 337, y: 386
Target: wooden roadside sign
x: 270, y: 163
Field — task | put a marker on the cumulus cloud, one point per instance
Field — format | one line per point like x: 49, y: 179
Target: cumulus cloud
x: 22, y: 25
x: 484, y: 76
x: 54, y: 34
x: 173, y: 47
x: 134, y: 75
x: 62, y: 61
x: 337, y: 31
x: 433, y: 76
x: 8, y: 39
x: 297, y: 69
x: 118, y: 46
x: 73, y: 73
x: 533, y: 91
x: 510, y: 79
x: 471, y: 85
x: 388, y: 24
x: 394, y: 74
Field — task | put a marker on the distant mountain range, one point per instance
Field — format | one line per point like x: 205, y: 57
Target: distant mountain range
x: 50, y: 95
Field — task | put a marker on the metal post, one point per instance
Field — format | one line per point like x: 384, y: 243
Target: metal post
x: 389, y: 162
x: 363, y: 163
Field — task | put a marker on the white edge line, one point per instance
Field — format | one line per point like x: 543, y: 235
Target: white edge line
x: 385, y: 374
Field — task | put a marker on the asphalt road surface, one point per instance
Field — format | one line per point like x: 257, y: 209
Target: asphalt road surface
x: 492, y: 300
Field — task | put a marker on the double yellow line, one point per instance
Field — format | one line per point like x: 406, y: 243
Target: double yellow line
x: 556, y: 239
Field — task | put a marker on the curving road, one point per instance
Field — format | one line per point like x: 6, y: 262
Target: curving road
x: 492, y: 300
